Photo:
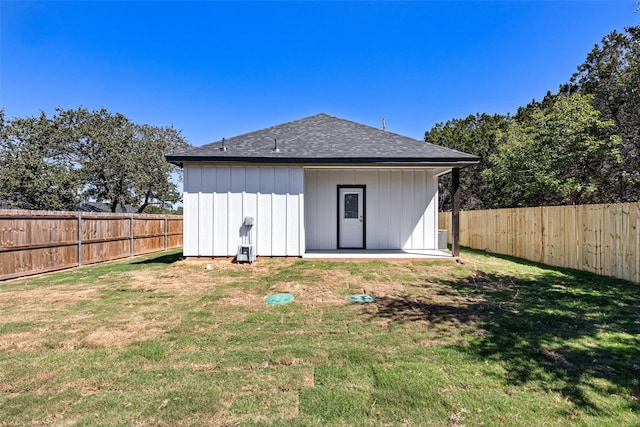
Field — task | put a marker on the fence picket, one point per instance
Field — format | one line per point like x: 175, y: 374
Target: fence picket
x: 33, y: 242
x: 602, y: 239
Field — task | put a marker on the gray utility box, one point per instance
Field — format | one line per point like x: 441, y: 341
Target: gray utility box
x: 442, y: 239
x: 246, y: 254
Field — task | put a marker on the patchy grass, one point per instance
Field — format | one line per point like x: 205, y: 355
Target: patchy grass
x: 158, y: 341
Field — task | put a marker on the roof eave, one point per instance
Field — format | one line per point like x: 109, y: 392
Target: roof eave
x: 390, y: 161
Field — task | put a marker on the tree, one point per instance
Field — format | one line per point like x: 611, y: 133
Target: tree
x: 153, y: 184
x: 580, y: 145
x: 54, y: 163
x: 562, y: 154
x: 103, y: 143
x: 34, y: 171
x: 478, y: 134
x: 611, y: 73
x: 123, y: 162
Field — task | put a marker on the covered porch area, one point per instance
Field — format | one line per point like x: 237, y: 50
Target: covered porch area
x: 375, y: 212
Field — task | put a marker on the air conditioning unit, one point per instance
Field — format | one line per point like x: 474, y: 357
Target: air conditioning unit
x: 246, y: 254
x: 442, y: 239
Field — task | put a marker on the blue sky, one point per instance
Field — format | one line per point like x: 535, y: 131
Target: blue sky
x: 220, y: 69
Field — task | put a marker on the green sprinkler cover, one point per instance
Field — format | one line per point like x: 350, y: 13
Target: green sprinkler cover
x: 360, y: 298
x: 279, y: 299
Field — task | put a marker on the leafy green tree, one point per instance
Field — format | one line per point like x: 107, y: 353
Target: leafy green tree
x: 153, y: 184
x: 122, y: 162
x: 525, y: 113
x: 35, y: 172
x: 53, y: 163
x: 561, y: 154
x: 580, y: 145
x: 611, y: 73
x: 153, y: 209
x: 479, y: 134
x: 104, y: 145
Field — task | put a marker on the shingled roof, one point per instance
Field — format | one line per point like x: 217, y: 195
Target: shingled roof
x: 323, y: 139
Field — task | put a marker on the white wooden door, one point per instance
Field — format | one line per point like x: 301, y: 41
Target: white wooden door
x: 351, y: 219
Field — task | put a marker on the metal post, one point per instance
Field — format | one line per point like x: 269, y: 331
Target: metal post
x: 455, y: 211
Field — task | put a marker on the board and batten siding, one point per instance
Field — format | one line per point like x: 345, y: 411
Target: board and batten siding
x: 401, y: 207
x: 218, y: 198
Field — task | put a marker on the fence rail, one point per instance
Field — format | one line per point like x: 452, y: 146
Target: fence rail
x: 33, y: 242
x: 602, y: 239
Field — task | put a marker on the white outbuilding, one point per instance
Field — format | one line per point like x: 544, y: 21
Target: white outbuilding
x: 316, y: 184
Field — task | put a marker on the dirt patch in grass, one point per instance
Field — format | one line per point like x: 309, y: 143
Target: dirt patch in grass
x: 124, y: 334
x: 109, y: 337
x: 383, y: 290
x: 46, y: 299
x: 241, y: 299
x: 182, y: 279
x: 311, y: 295
x: 20, y: 341
x: 46, y: 310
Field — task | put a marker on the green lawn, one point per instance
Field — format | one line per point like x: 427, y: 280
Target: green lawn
x: 159, y: 341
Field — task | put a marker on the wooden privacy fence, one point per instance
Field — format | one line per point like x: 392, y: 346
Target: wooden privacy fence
x: 33, y: 242
x: 602, y: 239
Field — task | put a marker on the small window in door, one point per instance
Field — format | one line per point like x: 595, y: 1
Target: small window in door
x: 351, y: 205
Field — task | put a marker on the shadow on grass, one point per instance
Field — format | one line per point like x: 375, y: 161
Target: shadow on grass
x: 161, y: 259
x: 560, y: 330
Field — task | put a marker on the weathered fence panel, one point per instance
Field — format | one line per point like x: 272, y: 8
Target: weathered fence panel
x: 602, y: 239
x: 105, y: 237
x: 33, y: 242
x: 174, y: 231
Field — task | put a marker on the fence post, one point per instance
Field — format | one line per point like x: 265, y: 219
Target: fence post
x: 131, y: 239
x: 79, y: 239
x: 166, y: 232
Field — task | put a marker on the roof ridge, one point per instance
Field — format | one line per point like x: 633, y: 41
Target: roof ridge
x: 323, y: 136
x: 317, y: 115
x: 374, y: 128
x: 269, y: 127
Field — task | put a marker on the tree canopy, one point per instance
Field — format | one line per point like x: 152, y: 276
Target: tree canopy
x: 579, y: 145
x: 611, y: 73
x: 479, y: 134
x: 561, y: 155
x: 54, y: 163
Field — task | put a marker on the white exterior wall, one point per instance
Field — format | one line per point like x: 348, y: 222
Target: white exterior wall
x: 218, y: 198
x: 401, y: 207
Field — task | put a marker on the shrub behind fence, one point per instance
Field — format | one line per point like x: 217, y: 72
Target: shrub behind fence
x: 602, y: 239
x: 33, y: 242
